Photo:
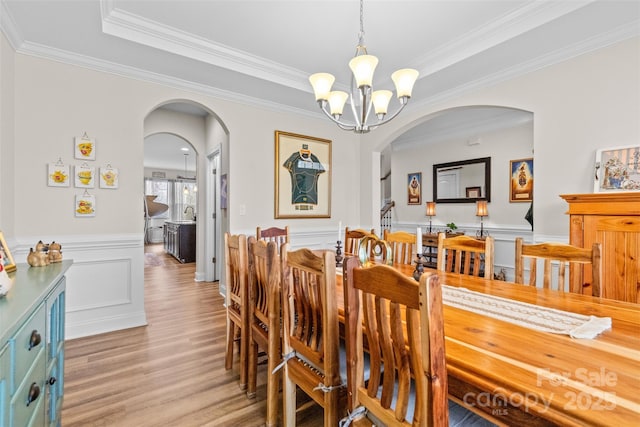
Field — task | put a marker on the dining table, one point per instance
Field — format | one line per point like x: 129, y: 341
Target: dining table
x: 515, y: 375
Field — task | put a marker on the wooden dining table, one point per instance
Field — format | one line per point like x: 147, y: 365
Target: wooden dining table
x: 518, y: 376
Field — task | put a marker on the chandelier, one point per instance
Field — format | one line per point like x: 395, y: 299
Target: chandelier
x: 362, y: 96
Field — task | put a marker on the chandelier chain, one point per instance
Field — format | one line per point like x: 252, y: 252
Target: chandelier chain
x: 361, y: 35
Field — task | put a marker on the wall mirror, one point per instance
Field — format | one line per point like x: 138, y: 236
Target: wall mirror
x: 464, y: 181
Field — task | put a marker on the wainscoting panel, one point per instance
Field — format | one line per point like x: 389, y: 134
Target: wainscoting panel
x: 105, y: 284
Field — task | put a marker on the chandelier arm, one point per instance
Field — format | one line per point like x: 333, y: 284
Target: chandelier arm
x: 389, y: 118
x: 342, y: 125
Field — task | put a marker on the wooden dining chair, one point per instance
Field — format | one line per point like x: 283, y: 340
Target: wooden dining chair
x: 466, y: 255
x: 352, y: 239
x: 403, y: 246
x: 236, y: 274
x: 403, y: 325
x: 274, y: 234
x: 563, y: 255
x: 310, y: 333
x: 264, y: 320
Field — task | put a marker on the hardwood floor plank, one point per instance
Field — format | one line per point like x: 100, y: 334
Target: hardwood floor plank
x: 168, y: 373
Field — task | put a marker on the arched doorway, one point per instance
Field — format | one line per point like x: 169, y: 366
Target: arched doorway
x: 202, y: 134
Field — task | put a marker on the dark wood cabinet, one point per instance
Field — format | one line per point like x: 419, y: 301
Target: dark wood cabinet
x: 180, y: 240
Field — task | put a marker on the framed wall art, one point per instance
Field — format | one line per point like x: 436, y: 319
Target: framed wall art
x: 6, y: 259
x: 84, y: 148
x: 521, y: 180
x: 84, y: 176
x: 58, y: 174
x: 473, y: 192
x: 109, y: 177
x: 414, y: 188
x: 617, y: 169
x: 302, y: 176
x: 85, y: 206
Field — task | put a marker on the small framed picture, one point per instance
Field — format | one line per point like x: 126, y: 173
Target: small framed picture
x: 85, y: 206
x: 414, y: 188
x: 109, y: 178
x: 617, y: 169
x: 473, y: 192
x: 84, y: 176
x: 58, y: 175
x: 521, y: 180
x: 6, y: 259
x: 84, y: 148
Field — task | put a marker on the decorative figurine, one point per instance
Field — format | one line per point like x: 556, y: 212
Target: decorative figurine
x: 38, y: 257
x: 55, y: 252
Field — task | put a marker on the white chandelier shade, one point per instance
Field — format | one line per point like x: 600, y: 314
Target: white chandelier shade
x: 362, y: 96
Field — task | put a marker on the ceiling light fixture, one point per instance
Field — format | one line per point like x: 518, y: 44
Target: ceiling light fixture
x: 362, y: 95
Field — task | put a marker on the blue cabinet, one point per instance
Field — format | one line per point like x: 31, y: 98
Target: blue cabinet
x: 32, y: 317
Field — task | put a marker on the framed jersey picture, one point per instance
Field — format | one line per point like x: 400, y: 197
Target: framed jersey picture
x: 302, y: 176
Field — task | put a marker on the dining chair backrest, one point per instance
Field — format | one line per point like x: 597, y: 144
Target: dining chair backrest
x: 403, y: 246
x: 236, y: 276
x: 466, y: 255
x: 310, y: 332
x: 563, y: 255
x: 398, y: 326
x: 274, y: 234
x: 264, y: 319
x: 352, y: 239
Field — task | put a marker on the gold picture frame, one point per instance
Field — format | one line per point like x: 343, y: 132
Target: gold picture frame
x: 521, y: 180
x: 302, y: 176
x: 7, y: 259
x: 414, y: 188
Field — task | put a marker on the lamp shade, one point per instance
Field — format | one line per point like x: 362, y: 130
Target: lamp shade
x: 321, y: 83
x: 431, y: 209
x: 481, y: 208
x: 363, y: 67
x: 337, y: 99
x: 380, y: 99
x: 404, y: 80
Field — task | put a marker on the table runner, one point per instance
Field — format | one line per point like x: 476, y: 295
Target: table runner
x: 524, y: 314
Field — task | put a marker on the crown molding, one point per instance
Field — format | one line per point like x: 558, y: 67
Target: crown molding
x: 66, y: 57
x: 128, y: 26
x: 506, y: 27
x: 9, y: 27
x: 620, y: 34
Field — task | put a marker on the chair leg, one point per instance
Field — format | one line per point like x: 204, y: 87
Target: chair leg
x: 244, y: 352
x: 331, y: 414
x: 273, y: 387
x: 252, y: 369
x: 228, y: 357
x: 288, y: 400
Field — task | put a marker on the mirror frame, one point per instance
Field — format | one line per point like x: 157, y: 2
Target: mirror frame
x: 487, y: 180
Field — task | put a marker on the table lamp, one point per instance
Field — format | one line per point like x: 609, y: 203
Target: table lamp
x: 431, y: 212
x: 481, y: 211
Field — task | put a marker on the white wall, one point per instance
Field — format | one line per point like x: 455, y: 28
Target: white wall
x: 502, y: 146
x: 55, y: 102
x: 585, y: 103
x: 580, y: 105
x: 7, y: 166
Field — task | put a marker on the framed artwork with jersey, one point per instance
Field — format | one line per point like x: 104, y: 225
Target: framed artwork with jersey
x: 302, y: 176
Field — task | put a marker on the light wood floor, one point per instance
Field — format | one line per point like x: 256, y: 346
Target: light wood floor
x: 168, y: 373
